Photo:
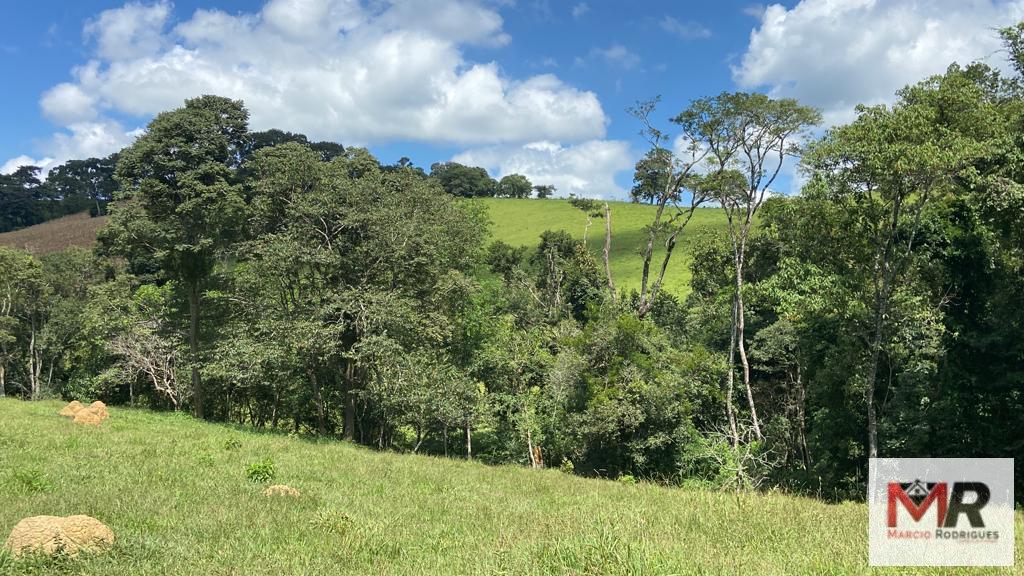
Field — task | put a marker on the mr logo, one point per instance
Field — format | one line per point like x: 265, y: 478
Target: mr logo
x: 917, y: 497
x: 955, y: 512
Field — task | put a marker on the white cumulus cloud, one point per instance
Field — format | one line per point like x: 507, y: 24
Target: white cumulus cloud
x: 586, y: 169
x: 835, y: 54
x: 354, y: 71
x: 67, y: 103
x: 12, y: 165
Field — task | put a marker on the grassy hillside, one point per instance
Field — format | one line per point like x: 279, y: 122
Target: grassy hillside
x: 175, y: 493
x: 520, y: 223
x: 55, y: 235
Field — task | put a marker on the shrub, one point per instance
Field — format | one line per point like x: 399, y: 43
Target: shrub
x: 567, y: 466
x: 232, y: 444
x: 627, y: 479
x: 260, y: 472
x: 28, y: 481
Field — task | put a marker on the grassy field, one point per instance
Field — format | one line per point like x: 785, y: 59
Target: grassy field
x: 520, y: 223
x: 175, y: 492
x: 55, y: 235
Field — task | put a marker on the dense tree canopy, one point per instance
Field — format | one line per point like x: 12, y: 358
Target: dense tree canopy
x: 459, y: 180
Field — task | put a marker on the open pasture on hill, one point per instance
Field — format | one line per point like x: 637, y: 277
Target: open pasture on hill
x: 521, y: 222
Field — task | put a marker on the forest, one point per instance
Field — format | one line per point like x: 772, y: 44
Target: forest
x: 307, y: 288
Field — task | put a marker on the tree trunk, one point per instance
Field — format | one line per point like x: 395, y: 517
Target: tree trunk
x: 802, y: 418
x: 469, y: 441
x: 3, y: 379
x: 32, y: 372
x: 869, y: 392
x: 350, y: 402
x: 318, y: 399
x: 419, y: 439
x: 529, y: 448
x: 198, y: 396
x: 742, y: 348
x: 608, y: 249
x: 740, y: 336
x: 730, y: 379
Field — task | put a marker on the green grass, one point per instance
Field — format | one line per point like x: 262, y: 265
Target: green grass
x: 520, y: 223
x: 175, y: 492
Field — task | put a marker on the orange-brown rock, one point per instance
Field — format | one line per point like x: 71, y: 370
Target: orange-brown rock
x: 71, y: 409
x: 53, y: 535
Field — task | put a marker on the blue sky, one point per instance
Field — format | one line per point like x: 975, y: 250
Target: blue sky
x: 530, y: 86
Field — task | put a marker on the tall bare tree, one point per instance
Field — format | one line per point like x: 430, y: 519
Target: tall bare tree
x: 746, y: 139
x: 664, y: 175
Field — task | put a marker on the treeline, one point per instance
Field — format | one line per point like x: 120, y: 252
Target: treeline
x: 27, y: 197
x: 879, y: 312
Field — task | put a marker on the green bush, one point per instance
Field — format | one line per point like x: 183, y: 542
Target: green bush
x: 261, y: 472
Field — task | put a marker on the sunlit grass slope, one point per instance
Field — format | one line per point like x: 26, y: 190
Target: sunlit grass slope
x: 56, y: 235
x: 174, y: 491
x: 520, y: 223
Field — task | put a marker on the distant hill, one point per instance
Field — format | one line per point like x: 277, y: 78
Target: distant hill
x: 521, y: 222
x: 56, y: 235
x: 518, y: 222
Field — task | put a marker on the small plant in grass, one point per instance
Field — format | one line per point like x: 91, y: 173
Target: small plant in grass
x: 261, y: 472
x: 232, y: 444
x: 627, y: 479
x: 28, y: 481
x: 330, y: 521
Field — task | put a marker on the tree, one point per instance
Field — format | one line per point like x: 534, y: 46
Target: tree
x: 514, y: 186
x: 886, y: 168
x: 91, y: 179
x: 650, y: 176
x: 544, y: 191
x: 180, y: 201
x: 275, y: 137
x: 460, y: 180
x: 346, y: 262
x: 19, y: 280
x: 663, y: 176
x: 591, y: 208
x: 19, y: 198
x: 747, y: 139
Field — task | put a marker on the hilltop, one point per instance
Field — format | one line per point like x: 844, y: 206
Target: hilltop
x: 174, y: 490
